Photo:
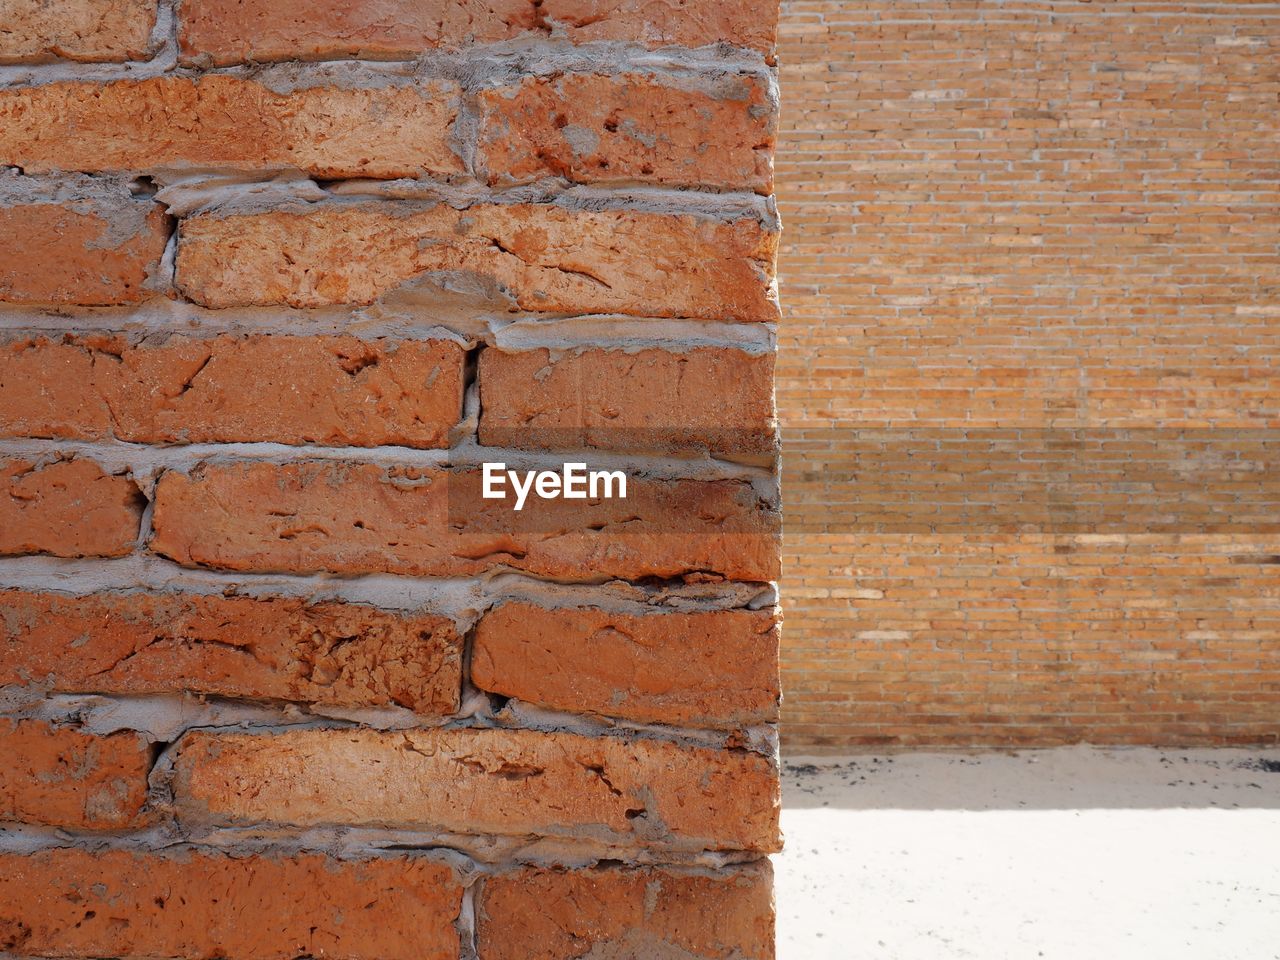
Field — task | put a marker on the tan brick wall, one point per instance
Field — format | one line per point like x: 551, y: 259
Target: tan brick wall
x: 1028, y: 372
x: 279, y: 278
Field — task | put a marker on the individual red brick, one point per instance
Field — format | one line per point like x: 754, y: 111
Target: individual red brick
x: 337, y: 390
x: 704, y: 398
x: 590, y: 128
x: 180, y: 122
x: 61, y: 777
x: 89, y: 245
x: 69, y: 508
x: 545, y: 257
x: 627, y: 912
x: 87, y: 30
x: 361, y: 518
x: 208, y: 906
x: 275, y: 648
x: 597, y: 790
x: 234, y: 31
x: 717, y: 668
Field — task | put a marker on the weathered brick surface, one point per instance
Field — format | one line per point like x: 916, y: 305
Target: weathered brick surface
x: 397, y: 130
x: 502, y: 782
x: 86, y: 30
x: 275, y: 648
x: 546, y: 258
x: 68, y: 508
x: 118, y: 903
x: 266, y: 308
x: 60, y: 777
x: 704, y: 398
x: 337, y: 390
x: 361, y: 518
x: 553, y: 914
x: 231, y: 31
x: 592, y: 129
x: 91, y: 244
x: 716, y: 669
x: 1074, y: 229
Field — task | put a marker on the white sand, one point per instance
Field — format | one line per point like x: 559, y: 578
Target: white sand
x: 1072, y: 854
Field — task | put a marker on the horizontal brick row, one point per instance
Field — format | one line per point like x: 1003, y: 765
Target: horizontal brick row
x: 62, y: 777
x: 540, y: 257
x: 88, y: 30
x: 337, y: 390
x: 592, y: 129
x: 392, y: 130
x: 627, y: 912
x: 187, y: 903
x: 67, y: 508
x: 587, y: 128
x: 311, y: 516
x: 703, y: 398
x: 102, y: 247
x: 206, y: 905
x: 601, y: 790
x: 234, y: 31
x: 351, y: 518
x: 91, y: 243
x: 347, y: 391
x: 713, y: 669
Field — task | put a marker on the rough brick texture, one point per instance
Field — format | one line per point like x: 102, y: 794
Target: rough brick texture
x: 68, y: 508
x: 712, y: 669
x: 1055, y: 223
x: 119, y: 903
x: 705, y: 398
x: 61, y: 777
x: 89, y: 243
x: 232, y: 31
x: 593, y: 129
x: 545, y: 258
x: 361, y: 518
x: 274, y: 648
x: 506, y: 782
x: 175, y: 122
x: 89, y: 30
x: 626, y: 913
x: 336, y: 390
x: 277, y: 678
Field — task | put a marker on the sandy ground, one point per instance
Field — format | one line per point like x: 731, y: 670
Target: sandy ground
x: 1072, y: 854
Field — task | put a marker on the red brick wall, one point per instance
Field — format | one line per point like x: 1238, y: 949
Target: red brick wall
x: 275, y: 679
x: 1029, y: 376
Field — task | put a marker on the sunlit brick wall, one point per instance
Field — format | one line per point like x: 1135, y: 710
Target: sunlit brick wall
x: 1028, y: 380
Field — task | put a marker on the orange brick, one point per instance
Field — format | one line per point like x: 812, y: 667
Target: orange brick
x: 337, y: 390
x: 713, y: 669
x: 275, y: 648
x: 220, y: 121
x: 705, y: 398
x: 85, y: 30
x: 69, y: 508
x: 594, y: 790
x: 91, y: 244
x: 361, y: 518
x: 232, y: 31
x: 61, y: 777
x: 184, y: 903
x: 545, y: 257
